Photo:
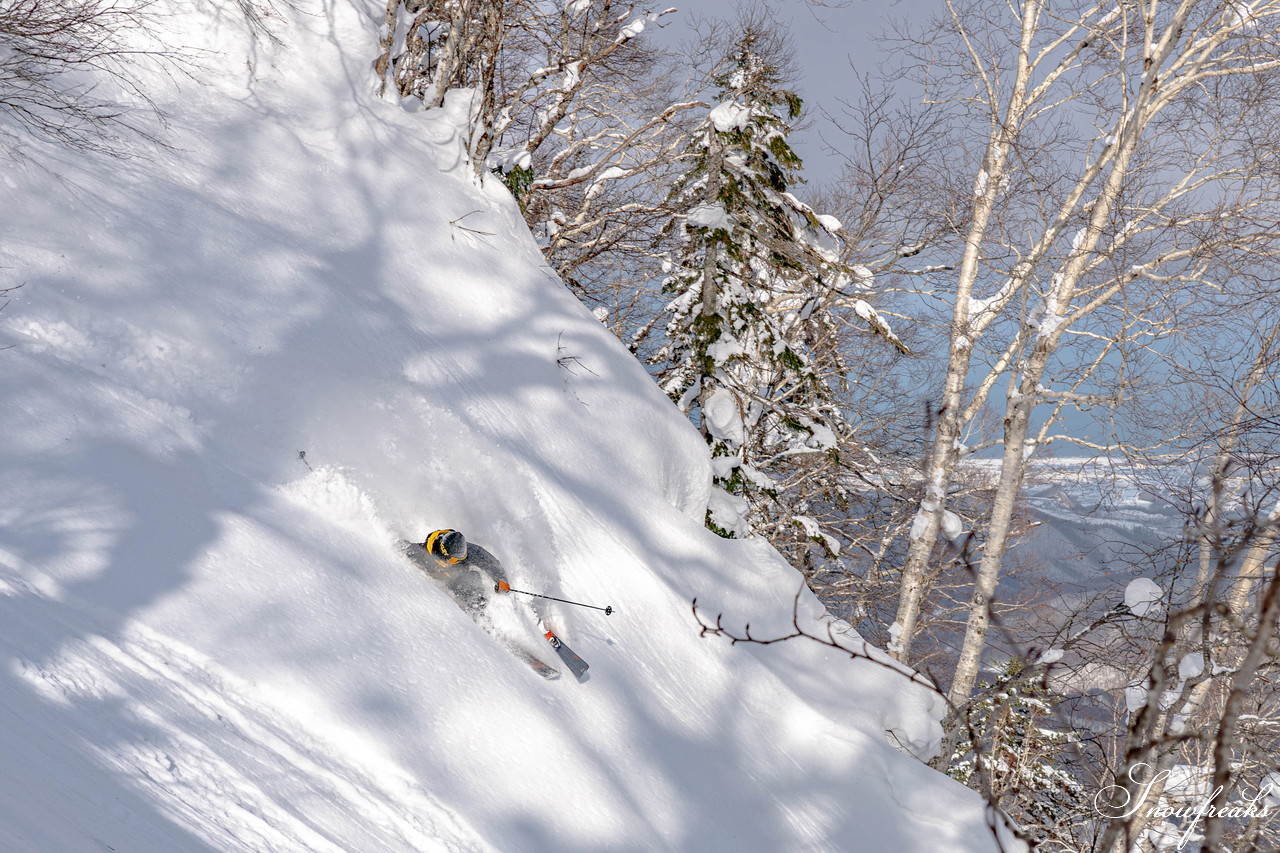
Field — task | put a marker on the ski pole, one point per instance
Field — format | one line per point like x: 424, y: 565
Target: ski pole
x: 503, y: 586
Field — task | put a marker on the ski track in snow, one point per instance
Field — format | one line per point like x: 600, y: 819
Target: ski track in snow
x: 223, y: 761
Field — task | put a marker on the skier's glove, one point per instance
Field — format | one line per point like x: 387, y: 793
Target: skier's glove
x: 502, y: 586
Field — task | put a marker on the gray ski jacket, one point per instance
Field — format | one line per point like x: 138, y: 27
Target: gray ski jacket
x: 470, y: 582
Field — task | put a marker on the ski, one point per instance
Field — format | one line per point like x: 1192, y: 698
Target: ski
x: 550, y: 673
x: 575, y: 664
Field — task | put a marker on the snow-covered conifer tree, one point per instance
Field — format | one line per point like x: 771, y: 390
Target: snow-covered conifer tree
x: 1021, y: 765
x: 751, y: 338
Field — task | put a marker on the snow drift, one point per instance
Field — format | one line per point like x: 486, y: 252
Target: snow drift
x: 242, y: 367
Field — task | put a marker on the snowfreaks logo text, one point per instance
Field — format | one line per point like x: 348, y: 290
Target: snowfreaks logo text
x: 1184, y: 822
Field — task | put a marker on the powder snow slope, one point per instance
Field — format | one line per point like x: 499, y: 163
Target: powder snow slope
x: 207, y: 642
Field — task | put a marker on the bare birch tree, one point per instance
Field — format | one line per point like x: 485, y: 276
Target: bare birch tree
x: 1121, y: 171
x: 1209, y: 705
x: 577, y: 112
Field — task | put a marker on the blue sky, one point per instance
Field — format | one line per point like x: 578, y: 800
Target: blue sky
x: 829, y: 42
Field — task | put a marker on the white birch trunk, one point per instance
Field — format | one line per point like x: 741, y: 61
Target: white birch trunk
x: 940, y: 469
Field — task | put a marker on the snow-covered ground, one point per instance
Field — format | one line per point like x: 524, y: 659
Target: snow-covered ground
x: 1096, y: 517
x: 239, y: 370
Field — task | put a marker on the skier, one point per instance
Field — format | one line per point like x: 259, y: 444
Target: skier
x: 470, y: 573
x: 473, y: 576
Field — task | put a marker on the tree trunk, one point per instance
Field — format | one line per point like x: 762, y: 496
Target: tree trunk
x: 1003, y: 129
x: 710, y: 263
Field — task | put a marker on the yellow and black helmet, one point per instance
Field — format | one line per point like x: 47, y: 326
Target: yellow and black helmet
x: 447, y: 545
